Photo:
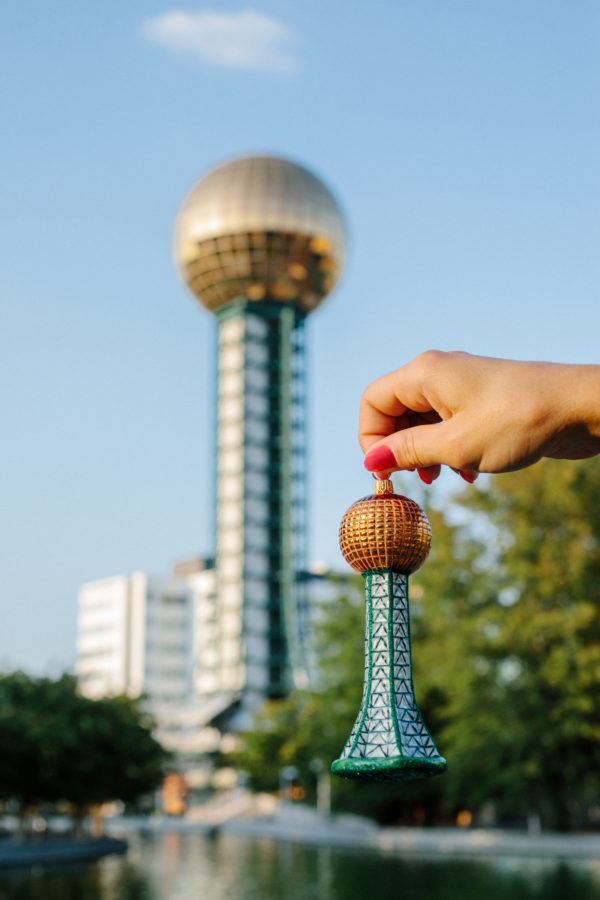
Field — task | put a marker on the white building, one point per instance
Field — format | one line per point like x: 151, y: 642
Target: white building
x: 135, y: 636
x: 103, y: 637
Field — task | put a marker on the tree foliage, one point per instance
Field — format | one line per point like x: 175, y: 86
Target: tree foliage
x: 506, y: 651
x: 532, y: 695
x: 57, y: 745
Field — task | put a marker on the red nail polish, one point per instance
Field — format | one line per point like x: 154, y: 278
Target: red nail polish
x: 381, y: 459
x: 468, y: 476
x: 425, y: 478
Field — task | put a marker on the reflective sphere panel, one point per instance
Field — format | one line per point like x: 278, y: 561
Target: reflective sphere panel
x: 261, y: 228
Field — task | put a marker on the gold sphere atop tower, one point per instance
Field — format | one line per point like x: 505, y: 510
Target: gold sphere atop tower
x: 385, y: 531
x: 260, y: 228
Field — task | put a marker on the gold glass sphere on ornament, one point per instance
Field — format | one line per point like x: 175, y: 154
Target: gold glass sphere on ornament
x: 385, y: 531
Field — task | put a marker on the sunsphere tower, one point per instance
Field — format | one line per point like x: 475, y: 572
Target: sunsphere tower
x: 260, y: 242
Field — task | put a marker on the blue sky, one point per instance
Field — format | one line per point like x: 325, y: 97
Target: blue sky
x: 462, y: 140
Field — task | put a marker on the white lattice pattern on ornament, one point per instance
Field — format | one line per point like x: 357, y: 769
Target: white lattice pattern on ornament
x: 389, y: 722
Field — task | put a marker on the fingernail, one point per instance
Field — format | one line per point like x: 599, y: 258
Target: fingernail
x: 425, y: 478
x: 381, y: 459
x: 468, y: 475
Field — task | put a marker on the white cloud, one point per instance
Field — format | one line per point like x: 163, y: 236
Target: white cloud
x: 244, y: 40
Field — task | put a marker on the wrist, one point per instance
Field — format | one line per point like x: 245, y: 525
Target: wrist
x: 577, y: 400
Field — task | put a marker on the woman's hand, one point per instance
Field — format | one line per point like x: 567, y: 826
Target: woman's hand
x: 477, y: 414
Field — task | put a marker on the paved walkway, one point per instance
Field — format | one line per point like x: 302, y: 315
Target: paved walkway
x: 348, y: 831
x: 296, y: 823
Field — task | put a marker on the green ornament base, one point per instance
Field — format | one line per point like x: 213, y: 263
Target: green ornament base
x: 389, y: 740
x: 397, y: 768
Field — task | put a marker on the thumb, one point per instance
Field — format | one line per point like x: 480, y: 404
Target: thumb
x: 416, y: 447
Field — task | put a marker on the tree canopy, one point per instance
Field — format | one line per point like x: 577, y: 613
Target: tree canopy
x: 57, y: 745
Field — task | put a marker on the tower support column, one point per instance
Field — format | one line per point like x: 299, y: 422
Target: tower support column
x: 261, y: 494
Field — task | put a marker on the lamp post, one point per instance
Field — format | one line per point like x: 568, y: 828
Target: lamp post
x: 286, y: 777
x: 323, y: 780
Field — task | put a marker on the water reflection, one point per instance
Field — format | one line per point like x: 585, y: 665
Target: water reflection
x: 109, y: 880
x: 189, y: 867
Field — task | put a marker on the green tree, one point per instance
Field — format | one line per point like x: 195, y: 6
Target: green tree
x: 57, y: 745
x: 525, y: 730
x: 21, y: 774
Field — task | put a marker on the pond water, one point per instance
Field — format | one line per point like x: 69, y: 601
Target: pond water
x: 175, y: 866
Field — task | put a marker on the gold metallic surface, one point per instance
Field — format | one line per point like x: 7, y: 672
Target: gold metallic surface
x: 260, y: 228
x: 385, y: 531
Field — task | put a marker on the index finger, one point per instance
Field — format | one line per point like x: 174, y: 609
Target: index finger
x: 389, y: 404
